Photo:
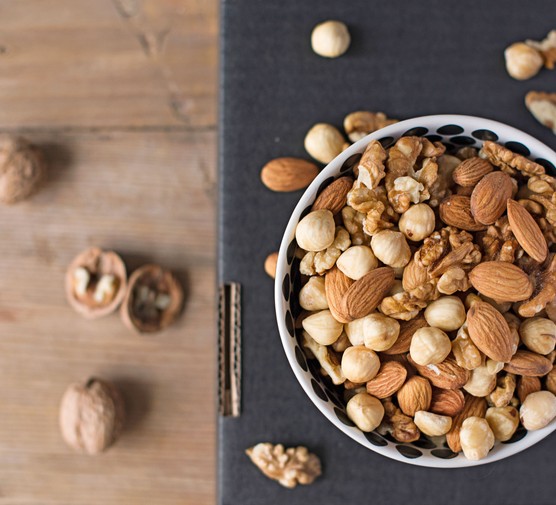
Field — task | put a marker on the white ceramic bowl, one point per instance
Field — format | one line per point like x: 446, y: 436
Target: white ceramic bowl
x: 454, y: 131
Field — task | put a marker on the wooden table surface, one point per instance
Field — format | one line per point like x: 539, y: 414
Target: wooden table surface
x: 121, y: 97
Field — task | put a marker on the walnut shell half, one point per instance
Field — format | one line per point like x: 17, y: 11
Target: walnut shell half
x: 96, y: 282
x: 153, y: 300
x: 21, y: 169
x: 91, y: 416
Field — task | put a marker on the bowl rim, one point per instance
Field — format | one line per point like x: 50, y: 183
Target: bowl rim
x: 332, y: 169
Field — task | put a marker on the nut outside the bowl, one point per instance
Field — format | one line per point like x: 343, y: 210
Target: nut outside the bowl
x: 96, y: 282
x: 471, y: 128
x: 153, y: 300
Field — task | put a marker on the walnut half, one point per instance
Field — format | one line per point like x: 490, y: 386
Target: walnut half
x: 292, y: 466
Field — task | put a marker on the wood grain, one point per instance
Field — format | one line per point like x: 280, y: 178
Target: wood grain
x: 127, y: 128
x: 108, y: 63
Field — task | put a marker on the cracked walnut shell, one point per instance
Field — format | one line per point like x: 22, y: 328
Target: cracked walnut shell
x: 91, y: 416
x: 153, y: 300
x: 21, y: 169
x: 290, y: 467
x: 96, y: 282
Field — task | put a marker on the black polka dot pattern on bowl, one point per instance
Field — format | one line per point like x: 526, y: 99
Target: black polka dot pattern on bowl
x: 318, y: 390
x: 444, y: 453
x: 286, y: 287
x: 485, y: 135
x: 549, y: 167
x: 324, y: 184
x: 418, y: 131
x: 519, y: 434
x: 409, y: 452
x: 449, y: 129
x: 290, y: 324
x: 301, y: 359
x: 290, y: 253
x: 342, y: 417
x: 518, y: 147
x: 375, y: 439
x: 350, y: 162
x: 386, y: 142
x: 331, y: 397
x: 462, y: 140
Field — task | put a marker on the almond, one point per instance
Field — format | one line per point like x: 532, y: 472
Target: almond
x: 445, y: 375
x: 502, y: 281
x: 527, y: 231
x: 388, y: 380
x: 470, y: 171
x: 528, y: 363
x: 336, y: 283
x: 474, y: 407
x: 456, y: 211
x: 415, y: 395
x: 334, y: 197
x: 447, y: 402
x: 288, y: 174
x: 488, y: 200
x: 365, y: 294
x: 490, y: 332
x: 527, y: 385
x: 407, y: 329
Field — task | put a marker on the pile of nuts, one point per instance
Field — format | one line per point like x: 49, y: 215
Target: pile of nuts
x: 429, y: 292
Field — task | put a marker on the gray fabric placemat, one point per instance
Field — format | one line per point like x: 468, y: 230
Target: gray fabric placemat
x: 407, y: 59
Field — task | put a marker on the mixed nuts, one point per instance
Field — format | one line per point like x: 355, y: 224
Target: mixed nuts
x: 428, y: 292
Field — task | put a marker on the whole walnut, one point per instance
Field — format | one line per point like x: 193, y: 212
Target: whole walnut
x: 91, y: 416
x: 21, y: 169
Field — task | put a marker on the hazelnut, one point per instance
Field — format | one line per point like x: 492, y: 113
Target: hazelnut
x: 431, y: 424
x: 330, y: 39
x: 324, y: 142
x: 523, y: 61
x: 96, y: 282
x: 365, y: 411
x: 380, y: 332
x: 270, y: 264
x: 153, y: 300
x: 21, y: 169
x: 355, y: 331
x: 322, y: 327
x: 359, y: 364
x: 446, y: 313
x: 429, y: 346
x: 316, y: 231
x: 538, y: 410
x: 312, y: 296
x: 538, y: 334
x: 503, y: 422
x: 391, y: 248
x: 476, y: 438
x: 91, y: 416
x: 357, y: 261
x: 482, y: 381
x: 417, y: 222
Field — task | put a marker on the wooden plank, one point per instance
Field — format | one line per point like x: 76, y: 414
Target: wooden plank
x: 108, y: 63
x: 150, y: 196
